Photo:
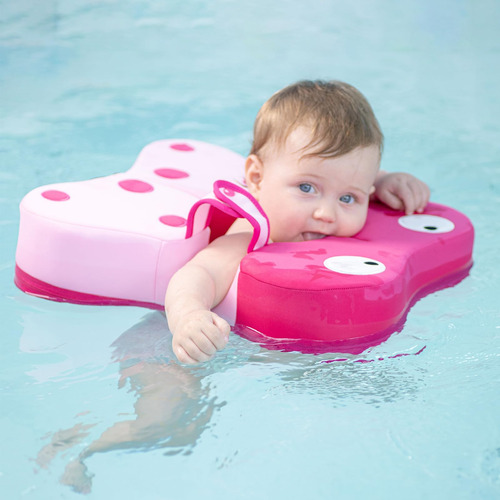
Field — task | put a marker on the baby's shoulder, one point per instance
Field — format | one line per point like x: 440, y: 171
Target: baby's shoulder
x: 240, y: 226
x: 232, y: 246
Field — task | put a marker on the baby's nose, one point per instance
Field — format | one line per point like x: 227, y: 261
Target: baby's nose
x: 326, y: 211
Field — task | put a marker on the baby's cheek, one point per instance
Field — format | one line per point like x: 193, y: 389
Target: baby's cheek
x: 354, y: 223
x: 285, y: 228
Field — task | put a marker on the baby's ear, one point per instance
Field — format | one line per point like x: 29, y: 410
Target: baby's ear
x: 254, y: 171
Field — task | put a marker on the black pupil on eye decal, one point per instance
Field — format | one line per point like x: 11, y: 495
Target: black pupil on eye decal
x: 430, y: 228
x: 370, y: 263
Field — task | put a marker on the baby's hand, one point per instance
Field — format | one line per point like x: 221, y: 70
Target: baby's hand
x: 402, y: 191
x: 200, y: 335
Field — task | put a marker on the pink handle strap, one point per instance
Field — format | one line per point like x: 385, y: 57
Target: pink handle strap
x: 233, y: 201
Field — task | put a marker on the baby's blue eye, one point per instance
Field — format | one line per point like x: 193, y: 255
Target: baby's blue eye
x: 347, y: 198
x: 305, y: 188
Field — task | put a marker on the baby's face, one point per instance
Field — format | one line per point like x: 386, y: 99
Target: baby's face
x: 307, y: 198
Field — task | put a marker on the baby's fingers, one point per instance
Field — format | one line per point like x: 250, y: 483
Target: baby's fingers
x: 390, y: 199
x: 183, y: 356
x: 223, y: 329
x: 415, y: 197
x: 212, y: 338
x: 201, y: 340
x: 422, y: 197
x: 195, y: 350
x: 409, y: 198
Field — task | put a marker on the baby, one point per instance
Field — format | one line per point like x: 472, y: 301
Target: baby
x: 313, y: 168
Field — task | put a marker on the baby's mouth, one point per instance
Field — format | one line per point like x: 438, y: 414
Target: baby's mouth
x: 312, y: 236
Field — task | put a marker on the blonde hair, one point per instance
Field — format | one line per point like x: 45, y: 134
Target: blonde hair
x: 338, y: 115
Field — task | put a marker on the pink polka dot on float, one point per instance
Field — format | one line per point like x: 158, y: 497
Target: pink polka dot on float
x: 173, y: 220
x: 171, y: 173
x: 181, y: 147
x: 136, y: 186
x: 55, y: 195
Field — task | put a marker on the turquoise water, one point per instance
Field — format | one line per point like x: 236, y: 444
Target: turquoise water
x: 95, y: 392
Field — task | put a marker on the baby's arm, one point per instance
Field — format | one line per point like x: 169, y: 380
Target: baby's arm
x: 194, y: 290
x: 401, y: 191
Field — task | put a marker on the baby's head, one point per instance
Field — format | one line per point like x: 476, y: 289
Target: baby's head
x: 314, y: 160
x: 338, y: 116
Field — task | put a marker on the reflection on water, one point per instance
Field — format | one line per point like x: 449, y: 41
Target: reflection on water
x: 172, y: 406
x: 267, y: 397
x: 346, y: 383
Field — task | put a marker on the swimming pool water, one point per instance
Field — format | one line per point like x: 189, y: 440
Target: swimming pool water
x: 92, y: 398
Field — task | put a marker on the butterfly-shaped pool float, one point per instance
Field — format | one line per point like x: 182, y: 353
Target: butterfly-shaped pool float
x: 117, y: 240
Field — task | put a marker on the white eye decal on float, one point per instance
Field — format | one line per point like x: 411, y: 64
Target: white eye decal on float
x: 352, y: 264
x: 424, y: 223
